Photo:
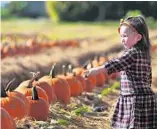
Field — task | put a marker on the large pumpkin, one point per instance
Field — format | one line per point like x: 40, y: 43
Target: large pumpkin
x: 25, y: 88
x: 60, y: 86
x: 48, y: 89
x: 7, y: 122
x: 75, y: 85
x: 11, y: 93
x: 15, y: 106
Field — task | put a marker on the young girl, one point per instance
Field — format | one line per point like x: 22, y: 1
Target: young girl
x: 136, y: 107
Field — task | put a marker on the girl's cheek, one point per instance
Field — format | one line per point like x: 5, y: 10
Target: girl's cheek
x: 122, y: 39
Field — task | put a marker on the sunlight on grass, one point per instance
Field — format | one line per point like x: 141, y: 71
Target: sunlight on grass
x: 63, y: 30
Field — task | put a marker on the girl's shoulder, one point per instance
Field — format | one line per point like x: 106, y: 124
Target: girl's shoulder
x: 132, y: 51
x: 138, y: 53
x: 135, y: 50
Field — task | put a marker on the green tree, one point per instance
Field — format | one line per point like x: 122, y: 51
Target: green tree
x: 52, y: 11
x: 16, y: 8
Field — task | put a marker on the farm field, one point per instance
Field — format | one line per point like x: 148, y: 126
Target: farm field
x: 74, y: 44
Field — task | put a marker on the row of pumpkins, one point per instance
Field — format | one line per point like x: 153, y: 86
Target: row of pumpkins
x: 32, y: 46
x: 32, y: 97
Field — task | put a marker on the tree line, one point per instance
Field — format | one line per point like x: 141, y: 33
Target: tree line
x: 84, y: 10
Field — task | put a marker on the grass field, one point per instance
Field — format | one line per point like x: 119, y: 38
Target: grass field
x: 63, y: 30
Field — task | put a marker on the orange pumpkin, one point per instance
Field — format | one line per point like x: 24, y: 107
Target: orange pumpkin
x: 114, y: 76
x: 48, y: 89
x: 7, y: 122
x: 25, y: 88
x: 12, y: 93
x: 75, y: 85
x: 82, y: 80
x: 60, y: 86
x: 78, y: 71
x: 92, y: 78
x: 89, y: 85
x: 39, y: 108
x: 15, y: 106
x: 100, y: 79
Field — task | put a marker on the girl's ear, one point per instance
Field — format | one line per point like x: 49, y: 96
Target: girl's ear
x: 139, y: 37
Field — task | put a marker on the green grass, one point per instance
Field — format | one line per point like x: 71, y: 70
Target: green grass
x: 62, y: 30
x: 114, y: 86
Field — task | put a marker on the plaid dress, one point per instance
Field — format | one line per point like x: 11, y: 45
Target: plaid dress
x: 136, y: 107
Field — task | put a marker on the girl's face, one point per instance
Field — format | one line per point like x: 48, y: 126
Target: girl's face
x: 128, y: 37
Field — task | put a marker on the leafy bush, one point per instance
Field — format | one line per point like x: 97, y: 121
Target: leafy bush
x: 152, y: 23
x: 13, y: 9
x: 133, y: 13
x: 71, y: 10
x: 5, y: 13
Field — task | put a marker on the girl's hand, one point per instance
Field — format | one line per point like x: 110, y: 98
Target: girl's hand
x: 92, y: 71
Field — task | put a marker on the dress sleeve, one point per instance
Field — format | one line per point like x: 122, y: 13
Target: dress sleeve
x: 120, y: 64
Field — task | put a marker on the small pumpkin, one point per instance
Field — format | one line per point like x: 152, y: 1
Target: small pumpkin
x: 89, y: 85
x: 92, y: 78
x: 47, y: 88
x: 78, y: 77
x: 78, y: 70
x: 39, y: 108
x: 82, y: 80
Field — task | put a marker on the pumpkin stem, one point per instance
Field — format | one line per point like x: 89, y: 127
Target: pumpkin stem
x: 32, y: 79
x: 85, y: 64
x: 64, y: 71
x: 86, y: 75
x: 34, y: 93
x: 3, y: 92
x: 9, y: 84
x: 91, y: 63
x: 74, y: 74
x: 70, y: 68
x: 35, y: 75
x: 53, y: 71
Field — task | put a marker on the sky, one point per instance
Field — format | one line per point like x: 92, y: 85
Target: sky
x: 3, y: 3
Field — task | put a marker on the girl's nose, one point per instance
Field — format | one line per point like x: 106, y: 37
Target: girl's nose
x: 122, y: 40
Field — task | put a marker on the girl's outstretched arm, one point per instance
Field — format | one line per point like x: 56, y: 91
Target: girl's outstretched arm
x: 115, y: 65
x: 94, y: 71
